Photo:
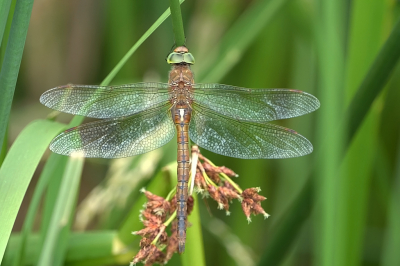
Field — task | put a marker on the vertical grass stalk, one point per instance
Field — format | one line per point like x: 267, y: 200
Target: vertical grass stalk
x: 4, y: 11
x: 331, y: 58
x: 177, y: 23
x: 56, y: 234
x: 12, y: 60
x: 372, y: 84
x: 365, y: 38
x: 391, y: 255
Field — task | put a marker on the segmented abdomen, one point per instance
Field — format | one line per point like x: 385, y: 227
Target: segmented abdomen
x: 182, y: 119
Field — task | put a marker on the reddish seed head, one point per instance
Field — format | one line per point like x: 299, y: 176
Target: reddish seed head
x: 190, y: 204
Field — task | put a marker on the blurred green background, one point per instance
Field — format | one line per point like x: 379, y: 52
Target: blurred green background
x: 337, y: 206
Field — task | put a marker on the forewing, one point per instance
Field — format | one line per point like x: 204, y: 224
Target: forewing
x: 118, y: 137
x: 255, y: 105
x: 241, y: 139
x: 105, y: 101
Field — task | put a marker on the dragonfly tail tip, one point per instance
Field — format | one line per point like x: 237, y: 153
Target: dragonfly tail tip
x: 181, y: 247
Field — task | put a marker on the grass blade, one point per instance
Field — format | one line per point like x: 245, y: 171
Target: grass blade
x: 84, y: 248
x: 3, y: 149
x: 238, y: 39
x: 177, y: 23
x: 54, y: 248
x: 12, y: 60
x: 391, y: 255
x: 4, y: 9
x: 330, y: 53
x: 280, y: 238
x: 51, y: 170
x: 194, y: 250
x: 17, y: 171
x: 367, y: 25
x: 373, y: 82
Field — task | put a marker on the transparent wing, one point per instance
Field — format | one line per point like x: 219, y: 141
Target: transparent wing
x: 105, y: 101
x: 255, y: 105
x: 241, y: 139
x: 118, y: 137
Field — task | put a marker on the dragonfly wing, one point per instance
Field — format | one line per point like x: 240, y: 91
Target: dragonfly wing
x: 118, y: 137
x: 242, y: 139
x: 106, y: 101
x: 256, y: 105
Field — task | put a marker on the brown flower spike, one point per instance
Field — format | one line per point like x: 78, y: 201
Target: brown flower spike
x: 159, y: 213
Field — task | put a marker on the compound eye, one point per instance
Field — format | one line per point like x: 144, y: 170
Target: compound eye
x: 175, y: 58
x: 188, y: 58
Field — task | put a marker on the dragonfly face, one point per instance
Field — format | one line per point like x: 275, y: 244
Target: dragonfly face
x: 180, y: 55
x: 140, y: 117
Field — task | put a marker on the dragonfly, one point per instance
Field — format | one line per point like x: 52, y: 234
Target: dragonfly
x: 140, y: 117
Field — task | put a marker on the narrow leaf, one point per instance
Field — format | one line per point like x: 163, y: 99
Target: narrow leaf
x: 52, y: 168
x: 4, y: 9
x: 17, y: 171
x: 12, y: 60
x: 390, y: 254
x: 194, y: 250
x: 283, y: 236
x: 61, y: 218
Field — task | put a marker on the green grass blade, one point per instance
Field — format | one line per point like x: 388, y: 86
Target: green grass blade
x: 54, y: 248
x: 52, y: 191
x: 6, y: 33
x: 12, y: 60
x: 330, y: 52
x: 365, y: 39
x: 4, y: 9
x: 390, y: 251
x: 84, y: 248
x: 78, y: 119
x: 3, y: 149
x: 177, y: 23
x: 354, y: 180
x: 279, y: 237
x: 373, y: 82
x: 238, y: 39
x: 287, y: 227
x: 52, y: 169
x: 17, y: 171
x: 194, y: 250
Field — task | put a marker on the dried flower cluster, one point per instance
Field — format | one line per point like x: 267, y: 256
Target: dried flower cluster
x: 215, y: 181
x: 210, y: 180
x: 154, y: 237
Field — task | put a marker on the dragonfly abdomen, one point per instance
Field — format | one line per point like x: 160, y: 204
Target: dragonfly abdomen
x: 181, y: 118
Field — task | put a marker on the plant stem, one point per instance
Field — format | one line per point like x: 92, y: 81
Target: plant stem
x: 170, y: 219
x: 12, y: 61
x: 171, y: 194
x: 377, y: 76
x: 227, y: 178
x: 282, y: 236
x: 177, y: 23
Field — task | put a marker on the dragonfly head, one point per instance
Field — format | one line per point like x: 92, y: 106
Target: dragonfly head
x: 180, y: 55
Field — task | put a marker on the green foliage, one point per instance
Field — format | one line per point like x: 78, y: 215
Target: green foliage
x: 13, y: 55
x: 333, y: 207
x: 18, y: 168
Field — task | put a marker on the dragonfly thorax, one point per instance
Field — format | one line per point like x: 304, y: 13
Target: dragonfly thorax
x: 181, y: 82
